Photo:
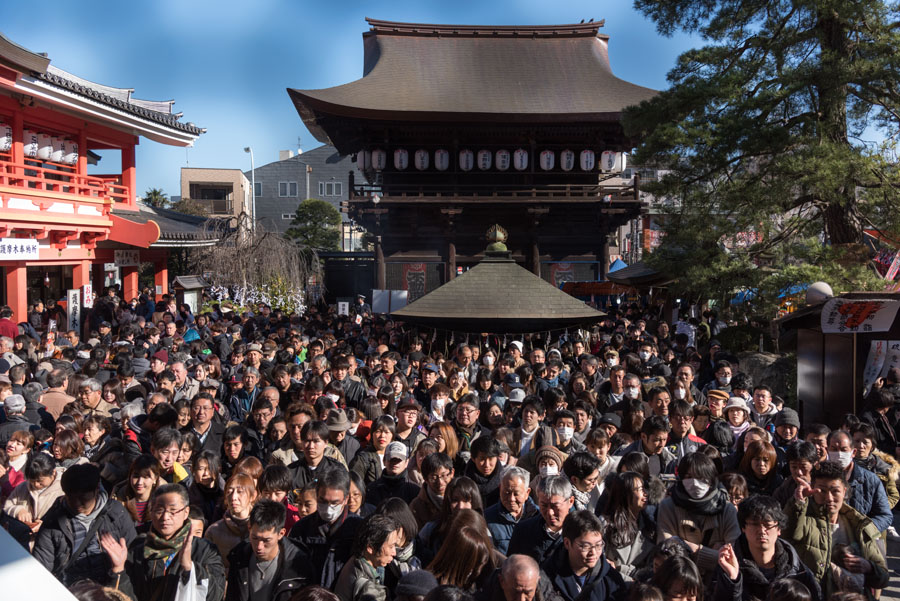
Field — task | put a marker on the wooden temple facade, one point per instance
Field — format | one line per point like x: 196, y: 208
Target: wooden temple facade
x: 459, y: 127
x: 59, y: 224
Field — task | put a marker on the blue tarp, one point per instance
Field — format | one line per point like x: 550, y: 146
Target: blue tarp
x: 617, y: 265
x: 745, y: 295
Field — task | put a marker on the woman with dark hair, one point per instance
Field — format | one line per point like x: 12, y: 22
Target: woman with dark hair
x: 467, y: 557
x: 698, y: 511
x: 370, y: 410
x: 234, y: 527
x: 484, y: 386
x: 234, y: 448
x: 207, y: 491
x: 369, y: 462
x: 30, y: 500
x: 400, y: 386
x: 679, y: 579
x: 113, y: 393
x: 190, y: 446
x: 183, y: 408
x: 754, y: 433
x: 630, y: 533
x: 386, y: 399
x: 719, y: 435
x: 461, y: 493
x: 759, y: 467
x: 373, y: 550
x: 356, y: 503
x: 405, y: 561
x: 633, y: 418
x: 68, y: 449
x: 134, y: 492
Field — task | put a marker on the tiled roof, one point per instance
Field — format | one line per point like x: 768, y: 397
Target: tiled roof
x: 107, y: 96
x: 498, y: 296
x: 173, y: 226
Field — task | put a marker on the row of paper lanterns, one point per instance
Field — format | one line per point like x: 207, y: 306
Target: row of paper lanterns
x: 484, y: 160
x: 41, y: 146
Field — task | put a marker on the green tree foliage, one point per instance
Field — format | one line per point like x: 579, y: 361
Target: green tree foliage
x: 155, y: 197
x: 316, y: 225
x: 762, y: 131
x: 190, y: 206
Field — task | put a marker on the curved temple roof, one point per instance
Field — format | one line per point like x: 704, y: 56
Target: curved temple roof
x: 554, y: 73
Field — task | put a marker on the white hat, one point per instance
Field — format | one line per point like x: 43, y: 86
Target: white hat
x: 396, y: 450
x: 517, y: 344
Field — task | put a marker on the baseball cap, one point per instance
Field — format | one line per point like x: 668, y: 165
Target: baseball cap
x: 396, y: 450
x: 517, y: 395
x: 431, y: 367
x: 409, y: 402
x: 512, y: 380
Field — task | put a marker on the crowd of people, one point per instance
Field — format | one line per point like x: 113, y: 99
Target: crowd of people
x: 161, y: 455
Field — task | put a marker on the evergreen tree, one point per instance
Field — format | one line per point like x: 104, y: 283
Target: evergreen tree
x: 316, y: 225
x: 761, y: 134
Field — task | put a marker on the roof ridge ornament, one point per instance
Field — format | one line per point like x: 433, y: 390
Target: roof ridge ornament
x: 496, y: 236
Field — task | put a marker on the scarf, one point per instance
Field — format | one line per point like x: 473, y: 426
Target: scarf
x: 581, y: 499
x: 156, y: 547
x: 713, y: 503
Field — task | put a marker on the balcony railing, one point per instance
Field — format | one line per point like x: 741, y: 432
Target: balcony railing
x: 61, y: 180
x: 601, y: 192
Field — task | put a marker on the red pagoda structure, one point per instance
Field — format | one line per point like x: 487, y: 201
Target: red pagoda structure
x: 456, y: 127
x: 58, y: 224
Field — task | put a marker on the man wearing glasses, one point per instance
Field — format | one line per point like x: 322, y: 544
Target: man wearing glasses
x: 466, y: 424
x: 167, y: 562
x: 578, y: 569
x: 681, y: 439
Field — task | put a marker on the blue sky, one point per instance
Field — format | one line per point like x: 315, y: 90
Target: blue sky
x: 227, y: 63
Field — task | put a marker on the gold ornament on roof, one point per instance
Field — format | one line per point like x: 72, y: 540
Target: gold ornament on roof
x: 496, y: 236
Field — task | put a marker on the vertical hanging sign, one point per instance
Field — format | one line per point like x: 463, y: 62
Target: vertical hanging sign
x: 414, y: 280
x: 73, y: 309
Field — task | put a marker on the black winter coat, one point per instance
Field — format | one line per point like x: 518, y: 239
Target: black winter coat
x: 145, y: 579
x: 55, y: 542
x: 329, y: 545
x: 293, y: 572
x: 391, y: 486
x: 530, y: 538
x: 602, y: 582
x: 752, y: 584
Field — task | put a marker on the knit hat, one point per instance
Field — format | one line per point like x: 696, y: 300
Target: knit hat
x: 719, y: 395
x: 737, y: 403
x: 14, y: 403
x: 416, y: 583
x: 161, y: 355
x: 549, y: 452
x: 787, y: 417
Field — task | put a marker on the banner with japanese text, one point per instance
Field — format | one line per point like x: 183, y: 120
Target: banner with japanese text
x: 414, y: 280
x: 858, y: 316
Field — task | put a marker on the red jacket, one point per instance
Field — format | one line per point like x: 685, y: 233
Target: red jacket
x: 8, y: 328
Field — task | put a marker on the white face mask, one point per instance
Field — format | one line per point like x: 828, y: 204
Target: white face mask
x: 333, y: 397
x: 695, y: 488
x: 565, y: 433
x: 612, y: 361
x: 352, y: 430
x: 644, y: 355
x: 488, y: 360
x: 437, y: 405
x: 842, y: 458
x: 548, y: 470
x: 633, y: 392
x: 724, y: 380
x: 680, y: 394
x: 330, y: 513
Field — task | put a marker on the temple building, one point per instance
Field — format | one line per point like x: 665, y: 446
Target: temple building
x: 457, y: 127
x: 62, y: 228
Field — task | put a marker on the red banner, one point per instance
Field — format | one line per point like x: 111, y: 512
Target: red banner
x: 414, y: 280
x: 561, y: 272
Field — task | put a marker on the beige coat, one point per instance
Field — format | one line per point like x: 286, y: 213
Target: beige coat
x: 24, y: 503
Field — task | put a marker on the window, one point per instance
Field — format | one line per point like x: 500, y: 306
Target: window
x: 321, y: 189
x: 331, y: 188
x: 287, y: 216
x: 287, y: 188
x: 257, y: 190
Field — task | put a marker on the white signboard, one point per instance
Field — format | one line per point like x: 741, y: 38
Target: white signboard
x: 858, y: 316
x: 127, y: 258
x: 87, y: 296
x: 874, y: 363
x: 18, y: 249
x: 890, y: 360
x: 73, y: 309
x: 343, y: 308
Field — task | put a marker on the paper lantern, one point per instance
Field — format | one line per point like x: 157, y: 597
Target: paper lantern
x: 59, y: 150
x: 71, y: 155
x: 441, y: 159
x: 363, y: 160
x: 485, y: 157
x: 45, y: 146
x: 547, y: 159
x: 379, y: 159
x: 587, y: 160
x: 31, y: 144
x: 502, y: 160
x: 567, y: 160
x: 421, y: 159
x: 466, y: 160
x: 401, y: 159
x: 520, y: 159
x: 6, y: 137
x: 612, y: 162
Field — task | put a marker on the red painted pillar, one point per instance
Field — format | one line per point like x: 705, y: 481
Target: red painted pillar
x: 17, y: 291
x: 161, y: 277
x: 81, y: 274
x: 129, y: 173
x: 129, y: 283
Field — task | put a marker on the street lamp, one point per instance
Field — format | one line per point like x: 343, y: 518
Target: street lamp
x: 253, y: 189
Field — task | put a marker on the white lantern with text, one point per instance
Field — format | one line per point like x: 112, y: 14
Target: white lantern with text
x: 587, y: 160
x: 502, y: 160
x: 379, y: 159
x: 520, y: 159
x: 401, y: 159
x: 466, y: 159
x: 421, y: 159
x: 45, y: 146
x: 566, y: 160
x: 6, y: 137
x: 71, y: 155
x: 485, y: 158
x: 441, y: 159
x: 31, y: 144
x: 59, y: 150
x: 547, y: 160
x: 612, y: 162
x: 363, y: 160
